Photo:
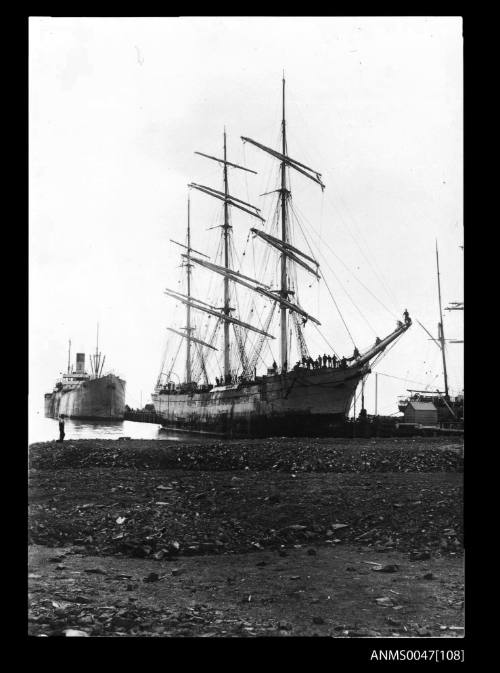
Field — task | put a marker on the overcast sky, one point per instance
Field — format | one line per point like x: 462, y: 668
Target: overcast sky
x: 117, y: 108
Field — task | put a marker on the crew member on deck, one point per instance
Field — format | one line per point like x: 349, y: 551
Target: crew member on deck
x: 406, y: 317
x: 275, y: 366
x: 324, y: 359
x: 334, y: 361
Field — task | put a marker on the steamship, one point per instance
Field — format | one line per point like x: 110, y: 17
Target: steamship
x: 87, y: 395
x: 226, y: 394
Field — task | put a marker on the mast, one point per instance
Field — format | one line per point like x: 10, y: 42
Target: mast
x: 96, y: 360
x: 284, y: 283
x: 229, y: 274
x: 226, y: 228
x: 69, y: 356
x: 188, y: 306
x: 440, y: 327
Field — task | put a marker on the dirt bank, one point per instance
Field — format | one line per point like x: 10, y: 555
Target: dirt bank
x: 332, y: 593
x: 328, y: 504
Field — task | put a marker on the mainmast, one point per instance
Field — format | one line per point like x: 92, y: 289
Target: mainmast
x: 284, y: 281
x: 225, y: 230
x: 229, y: 274
x: 440, y: 328
x: 188, y: 306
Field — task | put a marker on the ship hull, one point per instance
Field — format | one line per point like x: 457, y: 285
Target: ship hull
x: 95, y: 399
x: 299, y: 403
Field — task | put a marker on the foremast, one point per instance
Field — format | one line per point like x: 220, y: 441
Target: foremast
x: 287, y: 251
x: 225, y: 233
x: 284, y: 239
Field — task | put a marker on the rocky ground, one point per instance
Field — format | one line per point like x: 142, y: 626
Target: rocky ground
x: 242, y: 538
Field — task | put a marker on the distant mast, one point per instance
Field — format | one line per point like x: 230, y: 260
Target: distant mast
x: 69, y: 356
x: 284, y: 281
x: 95, y: 361
x: 440, y: 327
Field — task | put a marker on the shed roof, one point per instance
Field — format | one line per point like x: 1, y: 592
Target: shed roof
x: 422, y: 406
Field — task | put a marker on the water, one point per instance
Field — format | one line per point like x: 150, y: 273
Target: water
x: 41, y: 429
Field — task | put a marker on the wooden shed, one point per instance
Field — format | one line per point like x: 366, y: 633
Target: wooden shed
x: 424, y: 413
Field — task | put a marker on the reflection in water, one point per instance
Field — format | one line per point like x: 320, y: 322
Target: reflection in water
x: 41, y: 429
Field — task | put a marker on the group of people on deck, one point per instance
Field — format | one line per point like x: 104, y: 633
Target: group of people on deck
x: 323, y: 362
x: 225, y: 380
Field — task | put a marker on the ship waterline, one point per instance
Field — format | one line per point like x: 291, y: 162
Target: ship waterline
x: 300, y: 402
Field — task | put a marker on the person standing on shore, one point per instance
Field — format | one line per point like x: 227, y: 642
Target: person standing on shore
x: 61, y: 428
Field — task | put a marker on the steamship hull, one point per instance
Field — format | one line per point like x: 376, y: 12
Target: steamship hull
x: 299, y: 403
x: 94, y: 399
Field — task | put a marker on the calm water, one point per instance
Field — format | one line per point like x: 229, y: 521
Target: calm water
x: 41, y: 429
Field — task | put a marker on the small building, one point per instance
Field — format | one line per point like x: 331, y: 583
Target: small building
x: 423, y: 413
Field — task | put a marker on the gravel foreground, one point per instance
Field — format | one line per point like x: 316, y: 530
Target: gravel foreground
x: 392, y: 502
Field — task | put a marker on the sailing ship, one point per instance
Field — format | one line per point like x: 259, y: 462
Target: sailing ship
x: 87, y: 395
x: 310, y: 397
x: 450, y: 409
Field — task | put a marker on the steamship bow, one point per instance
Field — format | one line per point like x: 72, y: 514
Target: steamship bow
x: 312, y: 397
x: 87, y: 395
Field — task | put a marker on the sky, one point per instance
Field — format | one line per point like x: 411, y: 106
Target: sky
x: 117, y: 108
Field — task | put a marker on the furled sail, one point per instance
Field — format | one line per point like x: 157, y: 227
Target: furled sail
x: 192, y: 338
x: 221, y: 316
x: 286, y: 248
x: 237, y: 277
x: 293, y: 163
x: 229, y: 199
